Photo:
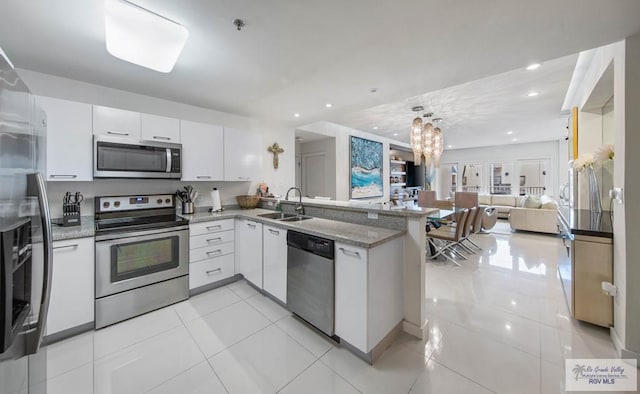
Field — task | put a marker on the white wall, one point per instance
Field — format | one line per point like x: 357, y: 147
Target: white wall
x: 485, y: 156
x: 341, y: 134
x: 278, y: 180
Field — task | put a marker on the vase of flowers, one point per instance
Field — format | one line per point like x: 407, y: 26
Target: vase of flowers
x: 585, y: 163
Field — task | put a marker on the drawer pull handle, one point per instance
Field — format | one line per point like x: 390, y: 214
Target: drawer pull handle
x: 60, y: 176
x: 215, y: 271
x: 74, y: 246
x: 217, y: 226
x: 217, y: 251
x: 159, y: 137
x: 214, y: 239
x: 203, y: 177
x: 251, y: 225
x: 274, y: 232
x: 350, y: 252
x: 117, y: 133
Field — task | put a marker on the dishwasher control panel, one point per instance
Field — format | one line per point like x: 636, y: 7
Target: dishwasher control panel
x: 316, y: 245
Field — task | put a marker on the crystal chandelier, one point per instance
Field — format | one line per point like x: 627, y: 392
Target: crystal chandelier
x: 426, y: 140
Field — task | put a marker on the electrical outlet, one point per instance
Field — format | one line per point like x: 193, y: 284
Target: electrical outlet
x: 372, y: 215
x: 617, y: 195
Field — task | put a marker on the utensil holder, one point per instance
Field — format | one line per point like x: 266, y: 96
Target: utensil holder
x: 187, y: 207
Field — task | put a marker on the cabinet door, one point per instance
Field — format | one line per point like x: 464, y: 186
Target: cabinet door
x: 202, y: 151
x: 249, y: 250
x: 351, y: 295
x: 72, y: 291
x: 116, y: 122
x: 159, y: 128
x: 274, y: 261
x: 592, y: 266
x: 242, y: 155
x: 69, y: 140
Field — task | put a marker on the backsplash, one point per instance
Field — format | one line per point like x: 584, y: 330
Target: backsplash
x: 115, y: 187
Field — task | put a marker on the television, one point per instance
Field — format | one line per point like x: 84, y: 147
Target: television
x: 415, y: 175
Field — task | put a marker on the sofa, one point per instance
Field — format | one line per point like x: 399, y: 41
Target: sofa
x: 527, y: 213
x: 502, y: 203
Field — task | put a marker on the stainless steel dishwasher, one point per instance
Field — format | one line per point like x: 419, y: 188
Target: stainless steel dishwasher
x: 310, y: 279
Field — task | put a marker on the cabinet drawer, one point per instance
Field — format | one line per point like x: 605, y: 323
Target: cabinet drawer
x: 211, y: 251
x: 200, y: 241
x: 211, y: 227
x: 210, y: 270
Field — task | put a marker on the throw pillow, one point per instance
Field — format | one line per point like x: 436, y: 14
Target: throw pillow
x: 548, y: 203
x: 532, y: 202
x: 523, y: 201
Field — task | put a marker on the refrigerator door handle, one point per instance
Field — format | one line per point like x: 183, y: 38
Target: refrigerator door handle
x: 34, y: 335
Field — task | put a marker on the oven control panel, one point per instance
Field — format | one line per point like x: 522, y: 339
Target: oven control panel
x: 130, y: 203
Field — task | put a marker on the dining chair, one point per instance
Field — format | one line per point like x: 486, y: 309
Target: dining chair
x: 426, y: 198
x: 449, y: 237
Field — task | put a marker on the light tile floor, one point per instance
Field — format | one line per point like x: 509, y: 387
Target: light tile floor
x: 498, y: 324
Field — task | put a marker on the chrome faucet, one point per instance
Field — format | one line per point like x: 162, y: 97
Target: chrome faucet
x: 299, y: 207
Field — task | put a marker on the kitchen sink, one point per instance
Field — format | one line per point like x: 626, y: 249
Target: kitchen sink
x: 295, y: 218
x: 278, y: 215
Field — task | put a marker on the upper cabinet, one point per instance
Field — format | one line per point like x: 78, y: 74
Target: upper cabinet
x: 69, y: 140
x: 160, y: 128
x: 116, y: 122
x: 242, y: 155
x: 202, y: 151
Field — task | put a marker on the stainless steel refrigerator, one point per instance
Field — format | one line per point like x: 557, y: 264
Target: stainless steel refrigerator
x: 25, y: 242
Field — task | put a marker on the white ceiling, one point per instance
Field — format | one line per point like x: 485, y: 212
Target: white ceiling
x: 294, y: 56
x: 483, y: 112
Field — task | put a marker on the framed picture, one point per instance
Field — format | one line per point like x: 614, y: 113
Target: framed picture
x: 366, y: 168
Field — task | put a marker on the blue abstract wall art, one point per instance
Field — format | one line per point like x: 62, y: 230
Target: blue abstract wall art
x: 366, y: 168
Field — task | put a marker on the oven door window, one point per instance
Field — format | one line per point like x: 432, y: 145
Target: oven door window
x: 137, y: 158
x: 142, y: 258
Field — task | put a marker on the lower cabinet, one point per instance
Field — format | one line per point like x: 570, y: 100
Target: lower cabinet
x: 369, y: 289
x: 211, y: 252
x: 249, y: 250
x: 274, y: 261
x: 72, y: 285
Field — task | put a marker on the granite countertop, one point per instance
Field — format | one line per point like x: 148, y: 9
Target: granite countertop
x: 360, y: 206
x: 85, y: 229
x: 585, y: 222
x: 349, y: 233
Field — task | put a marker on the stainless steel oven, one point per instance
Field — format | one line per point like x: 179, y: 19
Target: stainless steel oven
x: 117, y: 157
x: 142, y: 256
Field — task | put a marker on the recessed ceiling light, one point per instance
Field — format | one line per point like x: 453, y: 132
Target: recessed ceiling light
x: 507, y: 327
x: 533, y: 94
x: 328, y: 105
x: 533, y: 66
x: 509, y: 132
x: 375, y: 127
x: 296, y: 115
x: 395, y: 134
x: 449, y: 146
x: 514, y: 140
x: 139, y: 36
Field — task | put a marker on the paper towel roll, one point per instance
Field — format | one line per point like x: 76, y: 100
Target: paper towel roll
x: 216, y: 204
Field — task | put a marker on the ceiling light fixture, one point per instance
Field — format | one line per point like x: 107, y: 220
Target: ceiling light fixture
x: 425, y: 139
x: 296, y: 115
x: 139, y: 36
x: 509, y: 132
x: 533, y: 94
x: 328, y: 105
x: 375, y: 127
x: 533, y: 66
x: 514, y: 140
x: 449, y: 146
x: 395, y: 134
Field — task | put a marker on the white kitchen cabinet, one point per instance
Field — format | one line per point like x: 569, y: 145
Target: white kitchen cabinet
x: 369, y: 292
x: 116, y: 122
x: 274, y: 261
x: 159, y: 128
x: 211, y: 252
x: 69, y: 140
x: 249, y: 250
x: 72, y: 285
x: 242, y: 155
x: 202, y: 151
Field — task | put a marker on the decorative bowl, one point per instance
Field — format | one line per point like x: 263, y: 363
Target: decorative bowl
x: 248, y: 201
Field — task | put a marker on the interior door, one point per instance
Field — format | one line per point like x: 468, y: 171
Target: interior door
x: 314, y: 175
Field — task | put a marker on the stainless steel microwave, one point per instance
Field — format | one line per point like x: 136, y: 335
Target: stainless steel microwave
x: 117, y: 157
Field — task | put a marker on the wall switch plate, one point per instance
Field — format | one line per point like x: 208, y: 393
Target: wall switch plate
x: 372, y: 215
x: 617, y: 195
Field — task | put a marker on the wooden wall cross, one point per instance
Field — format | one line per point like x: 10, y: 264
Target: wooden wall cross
x: 276, y: 150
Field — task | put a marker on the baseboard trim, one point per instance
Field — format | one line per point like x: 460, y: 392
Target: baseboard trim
x: 416, y: 331
x: 215, y: 285
x: 68, y: 333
